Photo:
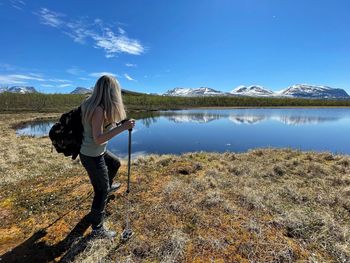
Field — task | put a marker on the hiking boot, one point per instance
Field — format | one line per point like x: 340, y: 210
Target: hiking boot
x: 103, y: 233
x: 114, y: 187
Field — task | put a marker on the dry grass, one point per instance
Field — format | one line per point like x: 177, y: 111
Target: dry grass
x: 265, y: 205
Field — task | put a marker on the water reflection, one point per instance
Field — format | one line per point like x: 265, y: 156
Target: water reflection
x: 146, y: 118
x: 37, y: 128
x: 286, y: 119
x: 235, y: 130
x: 192, y: 117
x: 249, y: 116
x: 236, y: 116
x: 297, y: 120
x: 246, y: 119
x: 147, y: 122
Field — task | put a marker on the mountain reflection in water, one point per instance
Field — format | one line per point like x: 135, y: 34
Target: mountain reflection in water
x: 236, y: 130
x: 253, y: 116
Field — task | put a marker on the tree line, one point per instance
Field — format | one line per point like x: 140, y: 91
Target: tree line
x: 39, y: 102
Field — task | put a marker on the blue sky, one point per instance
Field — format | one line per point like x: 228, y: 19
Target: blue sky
x: 154, y: 46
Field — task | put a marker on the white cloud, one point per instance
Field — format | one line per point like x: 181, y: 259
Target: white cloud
x: 130, y: 65
x: 101, y: 36
x: 50, y: 18
x: 75, y: 71
x: 18, y: 4
x: 128, y: 77
x: 121, y: 31
x: 35, y: 75
x: 113, y: 44
x: 19, y: 78
x: 30, y: 77
x: 78, y: 31
x: 9, y: 79
x: 100, y: 74
x: 98, y: 21
x: 26, y: 77
x: 65, y: 85
x: 47, y: 85
x: 59, y: 80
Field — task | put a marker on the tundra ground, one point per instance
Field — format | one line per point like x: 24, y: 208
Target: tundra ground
x: 266, y: 205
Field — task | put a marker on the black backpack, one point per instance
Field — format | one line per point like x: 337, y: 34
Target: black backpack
x: 67, y: 134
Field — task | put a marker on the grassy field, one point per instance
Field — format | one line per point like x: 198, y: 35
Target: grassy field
x: 265, y: 205
x: 37, y: 102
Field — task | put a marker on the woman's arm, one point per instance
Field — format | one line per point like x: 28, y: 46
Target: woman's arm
x: 97, y: 127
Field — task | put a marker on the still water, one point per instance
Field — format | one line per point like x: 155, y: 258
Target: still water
x: 236, y: 130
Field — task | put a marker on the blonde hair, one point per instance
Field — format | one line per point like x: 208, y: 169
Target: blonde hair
x: 106, y: 94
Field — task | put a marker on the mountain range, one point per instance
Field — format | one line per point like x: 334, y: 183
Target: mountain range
x: 18, y: 89
x: 294, y: 91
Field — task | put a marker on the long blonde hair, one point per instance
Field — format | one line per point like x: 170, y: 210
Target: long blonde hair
x: 107, y: 94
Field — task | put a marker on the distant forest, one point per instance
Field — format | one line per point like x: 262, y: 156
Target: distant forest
x: 38, y: 102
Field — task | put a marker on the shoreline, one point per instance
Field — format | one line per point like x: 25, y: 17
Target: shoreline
x: 265, y: 107
x: 187, y: 108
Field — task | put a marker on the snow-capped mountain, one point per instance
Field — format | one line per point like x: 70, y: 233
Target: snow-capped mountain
x: 255, y: 91
x: 3, y: 89
x: 19, y: 89
x: 81, y: 90
x: 187, y: 92
x: 312, y: 91
x: 294, y: 91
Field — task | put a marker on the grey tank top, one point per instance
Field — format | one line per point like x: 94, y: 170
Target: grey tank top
x: 88, y: 146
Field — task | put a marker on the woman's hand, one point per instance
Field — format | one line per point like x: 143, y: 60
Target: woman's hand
x: 129, y: 124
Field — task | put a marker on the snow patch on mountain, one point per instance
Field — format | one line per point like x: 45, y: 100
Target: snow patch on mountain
x: 188, y: 92
x: 313, y: 91
x: 253, y: 90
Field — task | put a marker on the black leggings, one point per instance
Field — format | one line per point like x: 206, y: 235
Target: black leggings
x: 101, y: 170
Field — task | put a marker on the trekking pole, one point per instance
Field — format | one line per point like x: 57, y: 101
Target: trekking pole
x: 129, y: 161
x: 127, y: 233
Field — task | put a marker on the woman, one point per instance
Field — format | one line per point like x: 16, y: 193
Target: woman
x: 103, y: 108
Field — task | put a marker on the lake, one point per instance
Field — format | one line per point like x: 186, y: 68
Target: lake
x: 236, y: 130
